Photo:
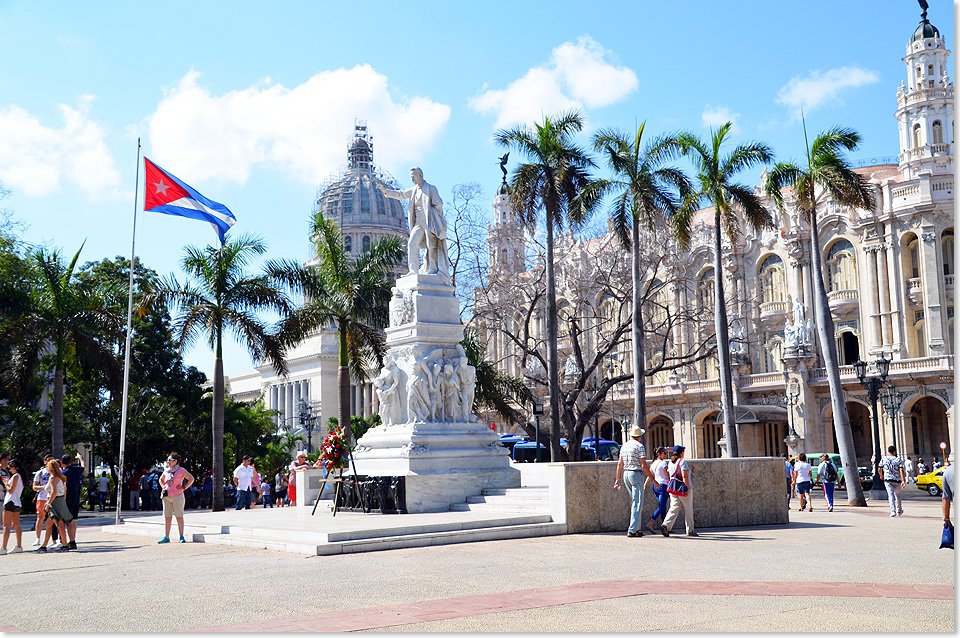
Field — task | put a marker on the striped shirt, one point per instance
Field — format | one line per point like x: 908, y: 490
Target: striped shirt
x: 633, y: 453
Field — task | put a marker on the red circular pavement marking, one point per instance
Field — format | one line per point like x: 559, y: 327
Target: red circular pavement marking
x: 445, y: 609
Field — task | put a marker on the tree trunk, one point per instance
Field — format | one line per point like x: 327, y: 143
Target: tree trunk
x: 57, y: 413
x: 553, y: 363
x: 723, y: 348
x: 343, y: 387
x: 218, y: 409
x: 828, y: 346
x: 639, y: 369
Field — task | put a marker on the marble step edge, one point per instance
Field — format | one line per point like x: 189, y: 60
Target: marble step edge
x: 543, y: 510
x: 444, y: 538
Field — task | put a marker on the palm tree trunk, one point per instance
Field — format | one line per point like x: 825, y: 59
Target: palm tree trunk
x: 343, y: 387
x: 218, y: 410
x: 553, y: 363
x: 58, y: 412
x: 723, y: 348
x: 639, y: 339
x: 828, y: 346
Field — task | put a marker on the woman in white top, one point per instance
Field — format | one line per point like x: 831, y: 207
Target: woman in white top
x: 802, y: 479
x: 57, y: 511
x: 660, y: 480
x: 11, y: 506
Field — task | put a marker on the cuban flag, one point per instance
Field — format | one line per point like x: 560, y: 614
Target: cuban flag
x: 168, y: 195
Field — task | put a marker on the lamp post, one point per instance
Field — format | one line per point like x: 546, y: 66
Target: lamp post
x: 873, y: 385
x: 610, y: 367
x: 537, y: 408
x: 792, y: 398
x: 892, y: 400
x: 308, y: 421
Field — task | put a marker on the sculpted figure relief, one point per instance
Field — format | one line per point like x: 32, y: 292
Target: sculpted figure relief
x: 418, y: 393
x: 428, y: 227
x: 388, y: 393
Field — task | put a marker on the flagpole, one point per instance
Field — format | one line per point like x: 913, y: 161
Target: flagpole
x: 126, y: 355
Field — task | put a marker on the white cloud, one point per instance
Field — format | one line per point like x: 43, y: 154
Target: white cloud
x: 716, y: 116
x: 302, y: 130
x: 35, y: 158
x: 576, y: 75
x: 818, y: 89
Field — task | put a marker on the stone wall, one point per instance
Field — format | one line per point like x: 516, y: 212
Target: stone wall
x: 726, y: 493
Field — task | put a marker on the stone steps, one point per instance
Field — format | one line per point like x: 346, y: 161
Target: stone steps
x: 518, y: 499
x: 356, y: 540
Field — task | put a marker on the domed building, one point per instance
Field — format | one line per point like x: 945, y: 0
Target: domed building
x: 307, y: 397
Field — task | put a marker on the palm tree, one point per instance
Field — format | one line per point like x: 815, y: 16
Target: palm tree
x: 351, y: 293
x: 644, y: 194
x: 827, y: 169
x: 55, y: 313
x: 223, y: 297
x: 558, y: 170
x: 715, y: 174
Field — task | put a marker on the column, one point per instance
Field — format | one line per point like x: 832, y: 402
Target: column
x: 871, y: 289
x: 883, y: 285
x: 931, y: 272
x: 289, y: 401
x: 897, y: 290
x: 273, y: 404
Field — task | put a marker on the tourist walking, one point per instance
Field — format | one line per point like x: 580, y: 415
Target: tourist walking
x: 265, y: 492
x: 788, y: 466
x: 243, y: 479
x: 680, y: 469
x: 12, y: 489
x: 827, y: 472
x: 103, y: 490
x: 921, y: 467
x: 660, y: 480
x: 631, y: 467
x: 298, y: 464
x: 74, y: 476
x: 58, y: 514
x: 280, y: 483
x: 891, y: 470
x: 173, y: 482
x: 803, y: 480
x: 908, y: 466
x: 256, y: 496
x: 134, y: 491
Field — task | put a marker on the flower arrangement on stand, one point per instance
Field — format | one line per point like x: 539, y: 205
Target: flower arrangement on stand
x: 334, y: 452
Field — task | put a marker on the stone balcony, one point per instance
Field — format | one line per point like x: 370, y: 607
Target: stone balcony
x: 915, y: 292
x: 948, y: 286
x: 773, y: 311
x: 843, y: 302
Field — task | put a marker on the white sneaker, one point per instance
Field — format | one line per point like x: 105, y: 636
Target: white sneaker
x: 36, y: 543
x: 15, y: 550
x: 56, y: 545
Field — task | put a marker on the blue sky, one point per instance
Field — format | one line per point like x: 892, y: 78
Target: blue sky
x: 253, y: 104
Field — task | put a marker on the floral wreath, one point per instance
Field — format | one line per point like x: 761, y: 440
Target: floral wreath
x: 334, y: 451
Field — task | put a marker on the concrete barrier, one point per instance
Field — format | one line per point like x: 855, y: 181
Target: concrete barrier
x: 726, y: 493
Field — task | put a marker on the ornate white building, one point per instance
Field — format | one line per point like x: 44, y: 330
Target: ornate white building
x: 364, y: 216
x: 890, y: 282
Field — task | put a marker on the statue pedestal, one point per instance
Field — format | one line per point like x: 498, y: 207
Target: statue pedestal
x: 429, y: 434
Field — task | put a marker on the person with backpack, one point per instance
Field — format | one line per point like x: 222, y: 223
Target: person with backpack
x: 827, y: 472
x: 803, y: 480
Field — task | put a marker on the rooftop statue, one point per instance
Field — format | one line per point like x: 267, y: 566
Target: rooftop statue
x: 428, y: 227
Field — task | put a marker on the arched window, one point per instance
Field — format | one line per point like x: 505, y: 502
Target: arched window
x: 919, y: 335
x: 842, y: 266
x: 711, y: 433
x: 705, y: 290
x: 772, y: 278
x: 946, y: 244
x: 937, y: 132
x: 348, y: 243
x: 773, y: 353
x: 917, y: 137
x: 913, y: 254
x: 503, y: 257
x: 660, y: 434
x: 848, y: 347
x: 366, y: 243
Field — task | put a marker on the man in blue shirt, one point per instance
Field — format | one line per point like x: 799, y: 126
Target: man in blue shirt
x: 74, y: 476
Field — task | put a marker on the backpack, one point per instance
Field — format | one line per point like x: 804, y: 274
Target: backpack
x: 830, y: 473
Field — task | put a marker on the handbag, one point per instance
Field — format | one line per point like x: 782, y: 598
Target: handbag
x: 676, y: 485
x: 947, y: 539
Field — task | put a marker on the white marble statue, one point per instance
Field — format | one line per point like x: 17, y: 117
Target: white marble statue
x: 388, y: 389
x: 419, y: 400
x: 797, y: 334
x: 428, y: 227
x: 467, y: 375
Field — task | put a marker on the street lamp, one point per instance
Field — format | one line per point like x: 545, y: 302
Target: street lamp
x: 892, y: 400
x: 872, y: 386
x: 308, y: 421
x: 537, y: 409
x: 792, y: 398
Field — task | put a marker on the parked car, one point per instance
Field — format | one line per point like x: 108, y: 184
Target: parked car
x: 608, y: 450
x: 814, y: 460
x: 932, y: 482
x: 509, y: 440
x: 526, y: 452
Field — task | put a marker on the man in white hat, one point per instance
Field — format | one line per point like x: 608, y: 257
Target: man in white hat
x: 631, y: 467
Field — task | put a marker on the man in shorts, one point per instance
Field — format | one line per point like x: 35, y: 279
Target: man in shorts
x: 74, y: 476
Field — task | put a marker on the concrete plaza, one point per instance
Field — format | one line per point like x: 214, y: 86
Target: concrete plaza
x: 854, y: 569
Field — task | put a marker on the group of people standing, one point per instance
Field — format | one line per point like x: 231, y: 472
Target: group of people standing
x: 57, y: 486
x: 631, y: 468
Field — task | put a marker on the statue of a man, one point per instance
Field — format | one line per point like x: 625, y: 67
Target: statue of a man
x: 428, y: 227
